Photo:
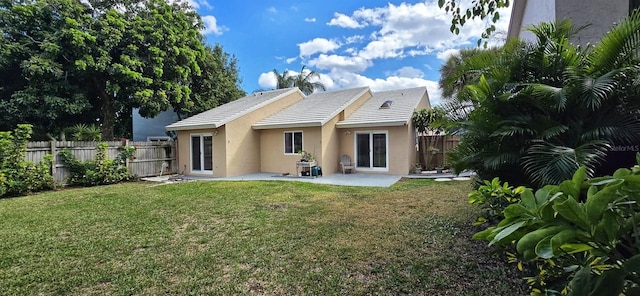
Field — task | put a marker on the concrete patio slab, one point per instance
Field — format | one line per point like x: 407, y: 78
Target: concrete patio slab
x: 369, y: 180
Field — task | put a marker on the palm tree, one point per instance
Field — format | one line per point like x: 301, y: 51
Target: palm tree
x: 546, y: 108
x: 304, y: 80
x: 428, y: 121
x: 284, y: 80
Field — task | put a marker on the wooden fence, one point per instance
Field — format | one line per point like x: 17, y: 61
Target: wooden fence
x: 443, y: 145
x: 150, y: 158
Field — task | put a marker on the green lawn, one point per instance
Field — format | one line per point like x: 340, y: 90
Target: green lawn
x: 255, y: 238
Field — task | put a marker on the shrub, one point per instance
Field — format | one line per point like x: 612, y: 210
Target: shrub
x: 18, y: 176
x: 99, y: 171
x: 493, y: 198
x: 583, y: 231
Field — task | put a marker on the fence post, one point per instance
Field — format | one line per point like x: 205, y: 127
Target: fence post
x: 54, y: 161
x: 126, y: 161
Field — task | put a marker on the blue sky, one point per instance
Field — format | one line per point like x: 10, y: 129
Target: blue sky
x: 381, y: 44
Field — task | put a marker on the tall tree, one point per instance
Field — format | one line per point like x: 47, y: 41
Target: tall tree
x: 218, y: 84
x: 98, y: 60
x: 481, y: 9
x: 306, y: 80
x: 37, y: 49
x: 283, y: 80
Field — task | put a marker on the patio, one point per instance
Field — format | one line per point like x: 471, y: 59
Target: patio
x: 368, y: 180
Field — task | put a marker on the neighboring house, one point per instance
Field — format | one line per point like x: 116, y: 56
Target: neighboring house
x: 151, y: 129
x: 599, y: 15
x: 263, y: 132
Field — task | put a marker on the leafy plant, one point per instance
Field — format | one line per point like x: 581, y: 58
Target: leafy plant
x: 493, y: 197
x: 18, y: 176
x: 541, y: 110
x: 99, y: 171
x: 306, y: 156
x: 83, y: 132
x: 587, y: 227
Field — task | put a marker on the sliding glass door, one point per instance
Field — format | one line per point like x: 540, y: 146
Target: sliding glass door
x: 202, y: 153
x: 371, y: 150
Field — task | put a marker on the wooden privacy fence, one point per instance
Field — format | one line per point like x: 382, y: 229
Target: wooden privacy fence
x: 150, y: 158
x: 444, y: 145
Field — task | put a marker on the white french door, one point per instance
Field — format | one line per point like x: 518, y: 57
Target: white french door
x: 201, y: 153
x: 371, y: 150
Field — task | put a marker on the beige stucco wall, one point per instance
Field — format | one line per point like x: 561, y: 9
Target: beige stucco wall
x: 273, y: 158
x: 330, y: 147
x: 184, y: 151
x: 243, y: 142
x: 236, y: 146
x: 399, y: 137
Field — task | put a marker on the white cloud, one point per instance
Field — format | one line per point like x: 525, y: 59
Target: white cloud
x: 409, y: 72
x: 272, y: 10
x: 447, y: 53
x: 354, y: 39
x: 345, y: 79
x: 345, y: 63
x: 344, y: 21
x: 211, y: 26
x: 291, y: 60
x: 317, y: 45
x: 267, y: 80
x: 411, y: 29
x: 310, y: 19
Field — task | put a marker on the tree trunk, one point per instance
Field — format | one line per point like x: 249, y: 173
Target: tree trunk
x: 425, y: 151
x: 107, y: 112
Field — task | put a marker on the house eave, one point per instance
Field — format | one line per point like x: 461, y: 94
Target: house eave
x: 286, y: 125
x: 191, y: 127
x: 370, y: 124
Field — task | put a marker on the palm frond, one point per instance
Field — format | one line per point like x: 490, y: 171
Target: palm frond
x: 546, y: 163
x: 550, y: 95
x: 619, y: 47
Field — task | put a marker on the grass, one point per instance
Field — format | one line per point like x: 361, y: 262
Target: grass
x: 248, y: 238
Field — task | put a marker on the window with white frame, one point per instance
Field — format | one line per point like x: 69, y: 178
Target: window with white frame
x: 292, y: 142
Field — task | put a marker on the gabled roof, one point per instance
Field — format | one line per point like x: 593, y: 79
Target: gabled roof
x: 403, y: 103
x: 314, y: 110
x: 223, y: 114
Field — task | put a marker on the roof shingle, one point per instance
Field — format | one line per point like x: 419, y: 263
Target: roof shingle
x: 404, y: 102
x: 314, y: 110
x: 223, y: 114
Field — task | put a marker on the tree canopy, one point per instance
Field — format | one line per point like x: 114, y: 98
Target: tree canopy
x: 64, y: 62
x: 543, y: 109
x: 482, y: 9
x: 306, y: 80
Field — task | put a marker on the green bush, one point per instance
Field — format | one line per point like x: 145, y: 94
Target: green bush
x: 584, y: 232
x: 99, y: 171
x: 493, y: 198
x: 18, y: 176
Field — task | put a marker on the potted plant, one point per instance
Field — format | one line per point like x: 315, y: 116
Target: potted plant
x: 305, y: 156
x: 433, y: 150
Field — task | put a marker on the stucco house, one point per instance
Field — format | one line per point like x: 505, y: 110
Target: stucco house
x: 264, y: 131
x: 599, y: 16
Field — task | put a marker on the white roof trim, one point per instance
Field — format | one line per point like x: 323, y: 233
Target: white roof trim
x: 177, y: 126
x: 287, y: 125
x: 191, y: 127
x: 371, y: 124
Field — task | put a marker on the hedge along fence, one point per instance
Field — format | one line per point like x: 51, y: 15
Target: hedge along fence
x: 148, y: 159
